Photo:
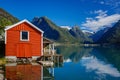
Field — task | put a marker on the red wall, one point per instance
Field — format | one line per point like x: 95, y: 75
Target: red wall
x: 14, y: 47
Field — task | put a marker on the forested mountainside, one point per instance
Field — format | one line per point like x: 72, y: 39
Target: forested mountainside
x: 5, y: 20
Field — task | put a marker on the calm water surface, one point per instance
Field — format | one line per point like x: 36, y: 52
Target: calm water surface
x: 89, y: 64
x: 80, y: 63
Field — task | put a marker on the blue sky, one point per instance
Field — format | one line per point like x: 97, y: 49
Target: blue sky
x: 91, y: 15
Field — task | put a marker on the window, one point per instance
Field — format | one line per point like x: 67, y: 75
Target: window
x: 24, y: 36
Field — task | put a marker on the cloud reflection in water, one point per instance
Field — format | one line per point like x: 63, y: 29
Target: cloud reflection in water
x: 100, y: 67
x: 67, y: 60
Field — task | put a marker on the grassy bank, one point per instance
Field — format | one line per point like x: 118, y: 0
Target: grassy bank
x: 2, y: 61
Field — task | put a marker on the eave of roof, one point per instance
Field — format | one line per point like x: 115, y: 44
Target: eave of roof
x: 46, y: 40
x: 25, y: 20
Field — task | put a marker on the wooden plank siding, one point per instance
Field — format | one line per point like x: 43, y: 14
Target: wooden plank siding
x: 13, y: 42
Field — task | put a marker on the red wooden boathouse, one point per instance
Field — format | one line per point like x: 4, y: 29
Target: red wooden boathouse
x: 23, y: 40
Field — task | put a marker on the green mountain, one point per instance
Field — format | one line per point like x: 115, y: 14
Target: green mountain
x: 78, y: 34
x: 5, y: 20
x: 112, y: 35
x: 54, y: 32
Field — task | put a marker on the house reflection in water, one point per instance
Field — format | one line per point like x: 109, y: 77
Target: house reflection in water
x: 24, y: 72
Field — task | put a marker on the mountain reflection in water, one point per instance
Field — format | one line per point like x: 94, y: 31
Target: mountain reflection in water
x: 80, y: 63
x: 89, y: 63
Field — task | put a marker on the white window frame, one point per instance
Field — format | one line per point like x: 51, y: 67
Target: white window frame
x: 21, y: 36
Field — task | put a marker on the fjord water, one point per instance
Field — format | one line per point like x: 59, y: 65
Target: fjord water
x: 80, y: 63
x: 88, y: 63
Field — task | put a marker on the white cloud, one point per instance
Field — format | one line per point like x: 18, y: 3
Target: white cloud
x: 67, y: 27
x: 101, y: 14
x: 102, y: 2
x: 100, y: 68
x: 113, y: 4
x: 86, y: 31
x: 100, y: 21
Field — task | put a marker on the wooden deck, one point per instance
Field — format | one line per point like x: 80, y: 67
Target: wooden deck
x: 50, y: 59
x: 46, y: 63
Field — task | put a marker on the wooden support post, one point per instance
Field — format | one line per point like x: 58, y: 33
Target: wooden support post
x: 49, y: 48
x: 53, y: 48
x: 58, y: 60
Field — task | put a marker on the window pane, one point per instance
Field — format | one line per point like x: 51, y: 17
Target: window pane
x: 25, y: 35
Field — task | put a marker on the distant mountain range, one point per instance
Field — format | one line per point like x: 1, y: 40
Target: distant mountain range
x: 78, y: 34
x: 112, y: 35
x: 96, y: 36
x: 65, y: 35
x: 58, y: 34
